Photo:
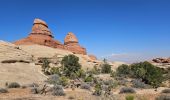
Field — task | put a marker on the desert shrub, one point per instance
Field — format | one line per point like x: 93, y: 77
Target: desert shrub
x: 127, y: 90
x: 112, y: 73
x: 95, y: 70
x: 54, y: 79
x: 73, y: 76
x: 57, y: 80
x: 163, y: 97
x: 89, y: 78
x: 35, y: 90
x: 105, y: 68
x: 57, y: 90
x: 70, y: 64
x: 55, y: 70
x: 123, y: 70
x: 166, y: 91
x: 108, y: 82
x: 85, y: 86
x: 98, y: 90
x: 81, y: 73
x: 63, y: 81
x: 123, y: 82
x: 2, y: 90
x: 138, y: 84
x: 149, y: 73
x: 129, y: 97
x: 45, y: 65
x: 14, y: 85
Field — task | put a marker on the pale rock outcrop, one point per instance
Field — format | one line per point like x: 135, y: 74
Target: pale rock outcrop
x: 12, y: 53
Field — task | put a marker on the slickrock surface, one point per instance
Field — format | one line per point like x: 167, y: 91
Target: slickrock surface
x: 10, y: 52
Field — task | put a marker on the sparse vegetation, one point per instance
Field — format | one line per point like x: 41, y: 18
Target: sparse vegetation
x: 57, y: 90
x: 14, y: 85
x: 98, y: 90
x: 105, y: 68
x: 129, y: 97
x: 54, y: 79
x: 45, y: 66
x: 145, y: 71
x: 85, y: 86
x: 63, y: 81
x: 127, y: 90
x: 138, y: 84
x: 163, y: 97
x: 55, y: 70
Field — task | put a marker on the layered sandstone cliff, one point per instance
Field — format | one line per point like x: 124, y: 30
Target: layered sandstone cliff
x: 42, y: 35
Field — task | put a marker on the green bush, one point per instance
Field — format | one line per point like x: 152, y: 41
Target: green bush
x: 129, y: 97
x: 123, y: 70
x: 88, y: 79
x: 55, y: 70
x: 70, y: 64
x: 106, y: 68
x: 112, y: 74
x: 14, y: 85
x: 98, y: 90
x: 81, y: 73
x: 63, y: 81
x: 149, y: 73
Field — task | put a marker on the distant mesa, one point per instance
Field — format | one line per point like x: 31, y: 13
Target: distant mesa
x: 42, y: 35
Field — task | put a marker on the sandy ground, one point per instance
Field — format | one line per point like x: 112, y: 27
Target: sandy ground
x: 77, y: 94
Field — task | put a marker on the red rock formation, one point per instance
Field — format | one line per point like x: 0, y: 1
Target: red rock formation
x: 42, y: 35
x: 71, y: 43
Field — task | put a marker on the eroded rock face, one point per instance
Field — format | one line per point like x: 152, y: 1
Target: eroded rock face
x: 42, y: 35
x: 71, y: 44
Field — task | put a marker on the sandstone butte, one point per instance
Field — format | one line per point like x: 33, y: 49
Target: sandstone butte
x: 42, y: 35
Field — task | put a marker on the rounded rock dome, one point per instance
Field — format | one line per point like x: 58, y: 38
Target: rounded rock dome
x: 70, y: 38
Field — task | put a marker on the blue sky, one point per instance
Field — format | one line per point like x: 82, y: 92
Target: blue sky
x: 123, y: 30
